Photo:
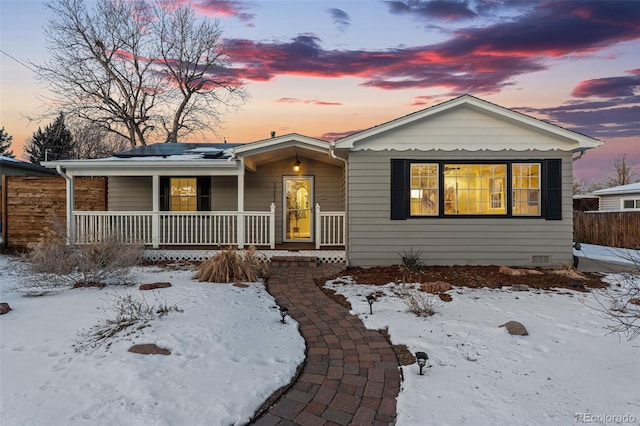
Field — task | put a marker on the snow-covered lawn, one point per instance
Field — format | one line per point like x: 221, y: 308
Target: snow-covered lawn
x: 229, y: 353
x: 568, y: 366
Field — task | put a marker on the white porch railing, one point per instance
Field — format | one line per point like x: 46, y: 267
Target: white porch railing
x: 330, y: 228
x: 198, y: 228
x: 178, y: 228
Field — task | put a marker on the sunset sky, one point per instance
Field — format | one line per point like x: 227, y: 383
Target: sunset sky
x: 328, y: 68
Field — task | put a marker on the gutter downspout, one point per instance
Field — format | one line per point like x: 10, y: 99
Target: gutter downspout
x: 70, y: 202
x: 581, y: 152
x: 332, y: 154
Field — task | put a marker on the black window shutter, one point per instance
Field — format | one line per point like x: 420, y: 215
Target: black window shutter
x: 165, y: 194
x: 204, y: 193
x: 399, y: 190
x: 553, y: 190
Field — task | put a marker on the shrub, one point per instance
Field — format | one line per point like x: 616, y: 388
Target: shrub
x: 417, y: 302
x: 97, y: 263
x: 128, y: 312
x: 232, y: 265
x: 411, y: 261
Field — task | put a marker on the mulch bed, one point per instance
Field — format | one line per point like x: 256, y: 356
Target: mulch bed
x: 474, y: 277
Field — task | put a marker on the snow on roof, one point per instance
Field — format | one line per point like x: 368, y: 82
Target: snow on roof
x: 4, y: 158
x: 622, y: 189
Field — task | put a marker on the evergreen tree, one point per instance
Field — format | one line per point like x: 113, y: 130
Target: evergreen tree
x: 53, y: 143
x: 5, y: 144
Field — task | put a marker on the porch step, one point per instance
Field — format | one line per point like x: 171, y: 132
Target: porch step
x: 286, y: 261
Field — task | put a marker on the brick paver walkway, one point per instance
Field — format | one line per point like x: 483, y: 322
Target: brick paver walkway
x: 351, y: 374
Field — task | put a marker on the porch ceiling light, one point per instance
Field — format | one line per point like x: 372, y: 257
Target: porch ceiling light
x: 422, y: 360
x: 296, y: 165
x: 283, y: 313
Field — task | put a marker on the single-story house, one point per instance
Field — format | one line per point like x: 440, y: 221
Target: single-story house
x: 462, y: 182
x: 619, y: 198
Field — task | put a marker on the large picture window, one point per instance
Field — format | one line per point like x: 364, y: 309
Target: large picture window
x: 501, y: 189
x: 474, y: 189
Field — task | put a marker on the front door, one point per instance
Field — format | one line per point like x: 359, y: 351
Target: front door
x: 298, y: 208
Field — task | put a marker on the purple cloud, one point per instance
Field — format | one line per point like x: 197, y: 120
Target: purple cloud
x: 609, y: 87
x: 340, y: 18
x: 450, y: 10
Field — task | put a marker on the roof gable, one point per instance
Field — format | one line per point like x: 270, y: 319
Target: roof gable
x: 467, y: 123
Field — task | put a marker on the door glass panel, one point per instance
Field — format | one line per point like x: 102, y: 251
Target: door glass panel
x: 298, y: 209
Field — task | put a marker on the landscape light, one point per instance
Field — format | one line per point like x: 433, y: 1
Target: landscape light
x: 422, y: 360
x: 283, y: 313
x: 370, y: 299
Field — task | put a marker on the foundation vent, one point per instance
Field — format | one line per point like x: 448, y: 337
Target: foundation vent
x: 541, y: 259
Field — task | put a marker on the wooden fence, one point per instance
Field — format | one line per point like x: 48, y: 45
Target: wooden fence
x: 30, y: 204
x: 611, y: 229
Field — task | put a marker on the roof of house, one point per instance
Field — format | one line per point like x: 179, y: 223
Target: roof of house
x: 23, y: 165
x: 524, y: 120
x: 631, y: 188
x: 204, y: 150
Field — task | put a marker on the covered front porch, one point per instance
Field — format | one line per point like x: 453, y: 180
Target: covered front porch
x: 229, y: 228
x: 280, y: 191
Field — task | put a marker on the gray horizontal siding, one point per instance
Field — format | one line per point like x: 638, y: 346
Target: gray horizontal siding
x: 374, y: 239
x: 128, y: 193
x: 609, y: 202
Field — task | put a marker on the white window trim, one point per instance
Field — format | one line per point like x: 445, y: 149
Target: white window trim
x: 636, y: 199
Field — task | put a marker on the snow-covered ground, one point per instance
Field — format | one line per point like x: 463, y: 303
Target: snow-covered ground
x: 568, y: 369
x: 609, y: 254
x: 229, y: 353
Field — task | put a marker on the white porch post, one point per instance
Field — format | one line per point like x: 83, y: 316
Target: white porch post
x: 272, y: 226
x: 318, y: 226
x: 71, y: 199
x: 240, y: 224
x: 155, y: 217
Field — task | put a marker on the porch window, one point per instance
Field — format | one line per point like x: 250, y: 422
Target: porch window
x: 185, y: 194
x: 469, y: 189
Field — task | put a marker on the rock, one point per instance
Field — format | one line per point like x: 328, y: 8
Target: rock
x: 153, y: 286
x: 4, y: 308
x: 515, y: 328
x: 635, y: 301
x: 149, y: 349
x: 435, y: 287
x: 445, y: 297
x: 519, y: 287
x: 510, y: 271
x: 240, y: 285
x: 576, y: 284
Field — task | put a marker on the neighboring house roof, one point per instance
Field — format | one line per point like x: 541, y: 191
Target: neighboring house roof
x: 8, y: 163
x: 557, y: 137
x: 632, y: 188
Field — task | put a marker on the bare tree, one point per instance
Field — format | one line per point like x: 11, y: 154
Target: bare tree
x: 107, y: 66
x: 623, y: 173
x: 193, y: 60
x: 93, y: 141
x: 620, y: 304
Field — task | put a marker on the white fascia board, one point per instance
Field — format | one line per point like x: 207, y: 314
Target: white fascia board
x: 281, y: 141
x: 140, y: 167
